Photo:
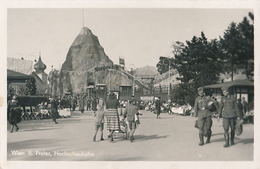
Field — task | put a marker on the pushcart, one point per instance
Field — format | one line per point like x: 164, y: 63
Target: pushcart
x: 123, y: 130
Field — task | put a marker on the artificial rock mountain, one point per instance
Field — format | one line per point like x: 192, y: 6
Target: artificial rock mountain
x: 78, y: 70
x: 85, y: 53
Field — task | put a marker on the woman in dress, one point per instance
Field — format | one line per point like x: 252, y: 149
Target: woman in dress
x: 14, y: 113
x: 112, y: 115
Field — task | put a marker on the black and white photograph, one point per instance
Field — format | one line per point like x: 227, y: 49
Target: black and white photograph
x: 95, y: 85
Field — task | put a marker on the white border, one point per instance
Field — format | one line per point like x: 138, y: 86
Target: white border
x: 4, y: 5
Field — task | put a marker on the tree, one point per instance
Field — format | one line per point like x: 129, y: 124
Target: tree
x: 163, y: 64
x: 198, y: 64
x: 247, y: 44
x: 238, y: 46
x: 230, y: 47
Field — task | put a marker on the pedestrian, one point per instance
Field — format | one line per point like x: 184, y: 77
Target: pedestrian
x: 240, y: 108
x: 99, y: 122
x: 14, y: 113
x: 230, y: 113
x: 54, y: 109
x: 112, y: 104
x: 203, y: 115
x: 101, y: 103
x: 82, y: 103
x: 94, y: 104
x: 245, y: 104
x: 74, y: 103
x: 131, y: 114
x: 158, y: 107
x: 246, y: 109
x: 88, y: 103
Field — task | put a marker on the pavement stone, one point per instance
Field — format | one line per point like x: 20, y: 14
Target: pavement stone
x: 170, y: 138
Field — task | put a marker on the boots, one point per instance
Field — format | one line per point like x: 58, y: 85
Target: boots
x: 208, y: 137
x: 17, y: 128
x: 201, y: 139
x: 101, y: 137
x: 232, y: 137
x: 226, y: 137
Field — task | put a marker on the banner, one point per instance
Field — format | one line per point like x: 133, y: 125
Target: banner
x: 121, y: 61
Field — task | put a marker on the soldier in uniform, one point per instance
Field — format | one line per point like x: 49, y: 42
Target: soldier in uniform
x: 230, y: 112
x: 203, y: 115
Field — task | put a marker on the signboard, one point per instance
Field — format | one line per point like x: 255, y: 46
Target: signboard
x: 147, y: 98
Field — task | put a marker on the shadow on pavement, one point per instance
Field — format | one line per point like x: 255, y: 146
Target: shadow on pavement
x: 151, y: 137
x: 38, y: 129
x: 245, y: 141
x: 217, y: 134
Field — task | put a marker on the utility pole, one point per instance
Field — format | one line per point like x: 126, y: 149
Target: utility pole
x: 169, y: 81
x: 83, y: 18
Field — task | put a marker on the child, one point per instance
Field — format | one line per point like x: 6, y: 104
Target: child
x: 99, y: 122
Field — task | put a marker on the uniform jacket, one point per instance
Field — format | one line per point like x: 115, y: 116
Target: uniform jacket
x: 201, y: 108
x: 229, y: 107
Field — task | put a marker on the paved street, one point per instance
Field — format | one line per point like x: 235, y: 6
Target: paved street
x: 171, y: 138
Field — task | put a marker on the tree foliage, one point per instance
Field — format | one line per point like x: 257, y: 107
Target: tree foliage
x: 198, y: 64
x: 238, y: 47
x: 200, y: 61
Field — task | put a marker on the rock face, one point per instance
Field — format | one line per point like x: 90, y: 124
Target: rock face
x: 83, y: 56
x: 86, y: 63
x: 85, y: 53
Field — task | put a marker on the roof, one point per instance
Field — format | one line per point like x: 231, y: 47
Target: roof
x: 19, y: 65
x: 13, y: 75
x: 230, y: 84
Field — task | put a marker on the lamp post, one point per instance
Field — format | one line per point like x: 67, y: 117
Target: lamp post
x: 169, y: 74
x: 169, y: 80
x: 132, y: 67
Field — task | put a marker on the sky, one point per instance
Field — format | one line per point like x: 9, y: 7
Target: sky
x: 140, y: 35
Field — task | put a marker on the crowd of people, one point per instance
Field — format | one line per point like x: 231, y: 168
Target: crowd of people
x: 113, y: 112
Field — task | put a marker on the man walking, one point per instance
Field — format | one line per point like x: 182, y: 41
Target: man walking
x: 158, y: 107
x: 230, y: 112
x: 130, y: 113
x: 203, y: 115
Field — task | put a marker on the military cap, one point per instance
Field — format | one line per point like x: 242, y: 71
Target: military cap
x: 225, y: 88
x: 200, y: 89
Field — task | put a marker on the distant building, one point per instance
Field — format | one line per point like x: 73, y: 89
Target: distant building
x: 20, y: 65
x: 20, y: 70
x: 17, y: 83
x: 40, y: 77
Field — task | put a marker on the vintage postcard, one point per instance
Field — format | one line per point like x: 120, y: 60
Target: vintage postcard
x: 122, y: 84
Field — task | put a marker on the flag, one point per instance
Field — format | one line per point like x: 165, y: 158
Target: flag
x: 121, y: 61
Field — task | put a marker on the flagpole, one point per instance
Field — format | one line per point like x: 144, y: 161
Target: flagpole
x: 83, y: 18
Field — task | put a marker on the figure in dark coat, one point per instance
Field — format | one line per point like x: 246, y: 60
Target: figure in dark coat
x: 230, y: 113
x: 81, y: 103
x: 202, y: 112
x: 158, y: 107
x: 54, y: 110
x: 14, y: 113
x: 74, y: 103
